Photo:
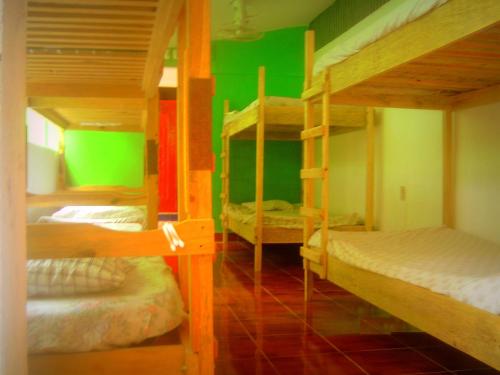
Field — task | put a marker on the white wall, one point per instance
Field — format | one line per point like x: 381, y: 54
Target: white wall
x: 478, y: 171
x: 408, y: 156
x: 43, y: 165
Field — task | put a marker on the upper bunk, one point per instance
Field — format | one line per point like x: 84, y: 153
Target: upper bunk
x: 448, y: 57
x: 283, y: 117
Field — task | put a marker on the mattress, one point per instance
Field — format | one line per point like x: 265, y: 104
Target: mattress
x: 389, y: 17
x: 443, y: 260
x: 284, y: 218
x: 277, y: 101
x: 148, y: 305
x: 97, y: 214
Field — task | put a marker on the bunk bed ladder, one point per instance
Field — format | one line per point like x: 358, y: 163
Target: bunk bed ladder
x: 224, y: 196
x: 315, y: 259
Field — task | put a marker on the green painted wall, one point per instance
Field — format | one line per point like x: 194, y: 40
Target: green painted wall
x: 235, y: 65
x: 104, y: 158
x: 340, y: 17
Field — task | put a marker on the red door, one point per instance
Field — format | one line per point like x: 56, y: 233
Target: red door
x: 167, y: 158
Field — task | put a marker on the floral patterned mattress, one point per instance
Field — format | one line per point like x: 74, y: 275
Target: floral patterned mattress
x: 148, y: 305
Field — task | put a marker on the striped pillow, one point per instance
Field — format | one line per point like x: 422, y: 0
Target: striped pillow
x: 62, y: 277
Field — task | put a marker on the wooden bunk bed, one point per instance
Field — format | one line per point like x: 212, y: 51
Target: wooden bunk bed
x: 452, y: 63
x: 100, y: 55
x: 275, y: 120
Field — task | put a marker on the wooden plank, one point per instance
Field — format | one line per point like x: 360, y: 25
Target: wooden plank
x: 84, y: 90
x: 448, y: 171
x: 259, y: 173
x: 200, y: 135
x: 166, y: 14
x: 86, y: 240
x: 13, y: 345
x: 117, y: 103
x: 325, y: 157
x: 225, y: 183
x: 312, y: 254
x: 463, y: 326
x: 313, y: 173
x: 370, y: 169
x: 96, y: 198
x: 151, y: 155
x: 317, y: 213
x: 434, y: 30
x: 315, y: 132
x: 53, y: 116
x: 129, y: 361
x: 479, y: 97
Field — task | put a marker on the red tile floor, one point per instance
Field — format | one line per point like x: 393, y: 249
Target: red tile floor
x: 263, y: 326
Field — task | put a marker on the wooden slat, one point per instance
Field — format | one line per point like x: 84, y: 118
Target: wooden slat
x: 87, y: 103
x: 312, y: 254
x: 315, y: 132
x: 448, y: 171
x: 370, y: 169
x: 168, y: 11
x: 259, y: 172
x: 313, y: 173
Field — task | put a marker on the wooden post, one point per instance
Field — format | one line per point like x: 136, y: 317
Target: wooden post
x: 226, y: 141
x: 259, y: 173
x: 13, y: 348
x: 325, y: 151
x: 448, y: 171
x: 152, y: 161
x: 308, y: 162
x: 370, y: 168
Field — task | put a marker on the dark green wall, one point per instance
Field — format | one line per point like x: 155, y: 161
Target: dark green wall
x: 104, y: 158
x: 235, y: 66
x: 340, y: 17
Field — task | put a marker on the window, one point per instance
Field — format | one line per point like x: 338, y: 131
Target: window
x: 43, y: 132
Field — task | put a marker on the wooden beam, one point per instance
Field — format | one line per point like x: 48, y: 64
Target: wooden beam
x: 475, y: 98
x: 167, y: 14
x: 448, y: 171
x: 116, y: 103
x: 83, y: 90
x: 370, y: 168
x: 13, y: 333
x: 151, y: 155
x: 53, y: 116
x: 259, y: 172
x: 121, y: 128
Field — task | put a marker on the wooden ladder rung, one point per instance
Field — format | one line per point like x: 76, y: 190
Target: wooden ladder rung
x: 312, y: 173
x: 312, y: 93
x: 222, y: 155
x: 223, y: 175
x: 312, y: 212
x: 314, y: 254
x: 317, y: 131
x: 223, y: 195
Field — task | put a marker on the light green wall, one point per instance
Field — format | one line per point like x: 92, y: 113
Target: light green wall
x: 104, y: 158
x: 235, y: 66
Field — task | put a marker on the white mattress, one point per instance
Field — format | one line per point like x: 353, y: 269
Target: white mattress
x: 284, y: 218
x: 98, y: 214
x: 148, y: 305
x: 277, y: 101
x: 446, y: 261
x: 389, y: 17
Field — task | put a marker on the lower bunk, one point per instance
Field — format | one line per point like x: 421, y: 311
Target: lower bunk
x: 282, y: 223
x: 112, y: 306
x: 465, y: 311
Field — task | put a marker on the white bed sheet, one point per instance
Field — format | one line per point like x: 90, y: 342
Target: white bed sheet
x: 277, y: 101
x: 285, y: 218
x: 443, y: 260
x: 148, y: 305
x: 386, y: 19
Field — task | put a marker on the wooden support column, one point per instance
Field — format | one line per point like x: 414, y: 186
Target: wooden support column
x: 325, y: 153
x: 152, y: 161
x: 196, y: 166
x: 259, y: 172
x: 308, y: 162
x: 13, y: 347
x: 448, y: 170
x: 370, y: 168
x: 226, y: 142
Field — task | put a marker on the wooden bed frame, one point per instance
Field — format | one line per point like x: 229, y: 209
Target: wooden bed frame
x: 97, y: 55
x: 273, y: 122
x: 194, y: 349
x: 453, y: 64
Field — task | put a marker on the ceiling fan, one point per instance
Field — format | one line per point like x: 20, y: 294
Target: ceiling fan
x: 239, y: 30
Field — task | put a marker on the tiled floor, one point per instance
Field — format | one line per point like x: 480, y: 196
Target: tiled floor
x: 264, y: 327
